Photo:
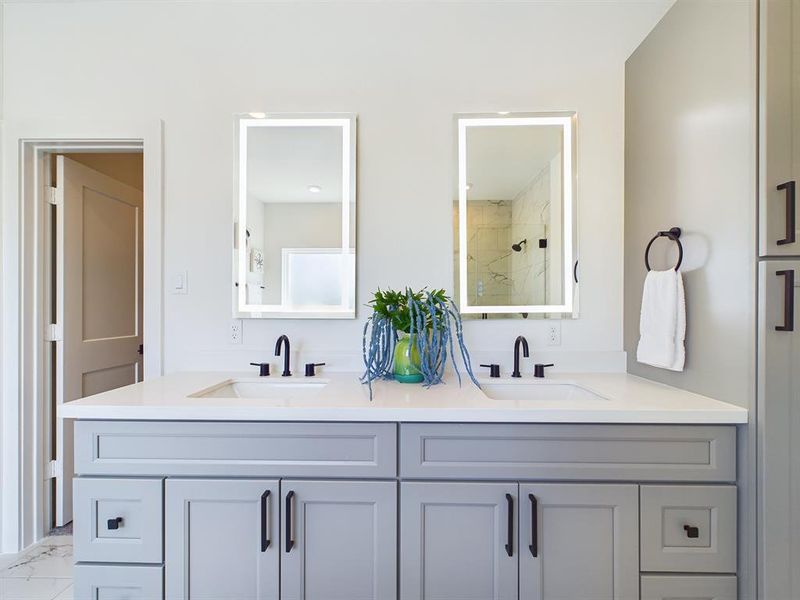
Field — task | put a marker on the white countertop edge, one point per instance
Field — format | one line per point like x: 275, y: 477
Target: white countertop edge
x: 629, y: 400
x: 409, y: 415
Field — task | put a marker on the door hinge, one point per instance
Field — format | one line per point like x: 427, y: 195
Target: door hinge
x: 52, y: 469
x: 54, y: 333
x: 52, y: 196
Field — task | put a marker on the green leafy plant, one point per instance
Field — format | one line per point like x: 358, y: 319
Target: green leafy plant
x: 432, y: 320
x: 397, y: 307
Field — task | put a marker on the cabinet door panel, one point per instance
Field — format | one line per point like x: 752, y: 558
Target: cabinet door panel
x: 779, y: 430
x: 780, y: 127
x: 453, y: 541
x: 341, y: 542
x: 585, y: 539
x: 214, y: 539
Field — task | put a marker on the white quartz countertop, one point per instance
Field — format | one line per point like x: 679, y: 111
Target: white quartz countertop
x: 622, y: 399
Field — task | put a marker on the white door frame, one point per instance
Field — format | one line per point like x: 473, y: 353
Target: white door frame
x: 22, y: 411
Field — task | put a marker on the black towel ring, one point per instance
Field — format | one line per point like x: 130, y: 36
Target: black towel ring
x: 673, y: 234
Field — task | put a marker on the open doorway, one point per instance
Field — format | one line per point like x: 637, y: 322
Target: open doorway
x: 94, y: 293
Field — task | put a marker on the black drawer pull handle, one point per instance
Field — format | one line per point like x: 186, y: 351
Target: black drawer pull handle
x: 788, y: 300
x: 510, y: 544
x: 114, y: 523
x: 534, y: 547
x: 691, y: 531
x: 265, y: 535
x: 790, y: 213
x: 289, y: 533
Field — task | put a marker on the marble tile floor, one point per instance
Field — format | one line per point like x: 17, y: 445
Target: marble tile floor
x: 42, y: 572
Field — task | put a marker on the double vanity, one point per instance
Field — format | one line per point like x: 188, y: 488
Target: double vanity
x: 219, y: 485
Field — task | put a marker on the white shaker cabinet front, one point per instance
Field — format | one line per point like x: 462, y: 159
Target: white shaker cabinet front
x: 579, y: 541
x: 779, y: 427
x: 222, y: 539
x: 780, y: 128
x: 458, y: 541
x: 339, y: 540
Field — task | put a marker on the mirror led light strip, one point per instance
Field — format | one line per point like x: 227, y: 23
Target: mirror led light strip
x: 567, y: 124
x: 347, y: 162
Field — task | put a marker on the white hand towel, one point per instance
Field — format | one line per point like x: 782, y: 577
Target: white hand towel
x: 662, y: 325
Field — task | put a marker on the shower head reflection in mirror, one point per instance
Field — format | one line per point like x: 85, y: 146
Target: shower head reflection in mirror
x: 295, y: 211
x: 514, y: 215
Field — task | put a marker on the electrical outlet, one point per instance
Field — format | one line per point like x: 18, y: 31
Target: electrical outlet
x: 554, y: 334
x: 236, y: 331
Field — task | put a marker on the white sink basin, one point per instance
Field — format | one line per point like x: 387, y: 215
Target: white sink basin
x: 277, y: 389
x: 541, y: 392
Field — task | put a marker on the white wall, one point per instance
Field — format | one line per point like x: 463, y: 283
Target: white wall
x: 405, y: 68
x: 690, y: 162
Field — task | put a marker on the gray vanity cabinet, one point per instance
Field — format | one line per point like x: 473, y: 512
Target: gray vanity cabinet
x: 222, y: 539
x: 339, y: 540
x: 455, y: 541
x: 579, y: 541
x: 326, y: 511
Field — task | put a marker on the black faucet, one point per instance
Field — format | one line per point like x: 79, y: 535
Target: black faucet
x: 285, y: 340
x: 520, y: 340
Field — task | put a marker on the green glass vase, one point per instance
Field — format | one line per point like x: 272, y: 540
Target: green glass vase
x: 406, y: 360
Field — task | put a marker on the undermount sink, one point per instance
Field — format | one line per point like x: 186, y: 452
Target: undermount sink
x: 267, y: 390
x: 541, y: 392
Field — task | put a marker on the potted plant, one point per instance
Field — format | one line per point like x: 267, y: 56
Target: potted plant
x: 410, y: 335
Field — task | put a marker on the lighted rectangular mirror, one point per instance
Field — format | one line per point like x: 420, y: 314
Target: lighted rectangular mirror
x: 515, y: 225
x: 295, y: 250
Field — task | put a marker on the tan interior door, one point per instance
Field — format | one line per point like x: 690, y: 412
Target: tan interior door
x: 98, y: 297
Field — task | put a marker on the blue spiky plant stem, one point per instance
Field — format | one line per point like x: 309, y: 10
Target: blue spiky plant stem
x: 434, y: 325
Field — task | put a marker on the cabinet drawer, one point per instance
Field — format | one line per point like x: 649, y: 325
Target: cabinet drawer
x: 330, y: 450
x: 688, y: 528
x: 568, y: 452
x: 118, y: 520
x: 689, y: 587
x: 112, y: 582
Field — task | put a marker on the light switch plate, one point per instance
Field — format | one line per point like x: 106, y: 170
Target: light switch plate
x: 180, y: 283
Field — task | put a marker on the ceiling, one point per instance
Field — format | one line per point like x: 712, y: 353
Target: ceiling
x: 282, y: 162
x: 502, y: 160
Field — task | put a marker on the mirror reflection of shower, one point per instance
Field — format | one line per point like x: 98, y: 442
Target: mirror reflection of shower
x: 513, y: 218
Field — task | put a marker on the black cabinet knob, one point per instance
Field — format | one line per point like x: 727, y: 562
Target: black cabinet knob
x: 114, y: 523
x: 691, y: 531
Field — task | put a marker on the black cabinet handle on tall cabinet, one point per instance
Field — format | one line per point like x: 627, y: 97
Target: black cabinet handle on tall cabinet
x: 791, y: 228
x: 788, y: 300
x: 289, y: 536
x: 265, y: 537
x: 510, y: 544
x: 534, y: 547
